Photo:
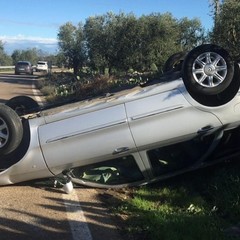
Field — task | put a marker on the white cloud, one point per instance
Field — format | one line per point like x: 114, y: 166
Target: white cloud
x: 22, y: 38
x: 12, y: 43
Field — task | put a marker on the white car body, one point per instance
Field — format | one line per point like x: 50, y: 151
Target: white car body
x: 145, y: 127
x: 42, y: 66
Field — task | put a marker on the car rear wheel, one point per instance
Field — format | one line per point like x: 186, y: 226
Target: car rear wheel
x: 23, y: 105
x: 11, y: 130
x: 210, y: 75
x: 174, y: 62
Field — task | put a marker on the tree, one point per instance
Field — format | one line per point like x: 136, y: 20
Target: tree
x: 226, y: 31
x: 31, y: 55
x: 59, y: 59
x: 119, y: 42
x: 124, y: 38
x: 191, y: 33
x: 4, y: 58
x: 95, y: 34
x: 159, y: 39
x: 122, y: 41
x: 72, y: 45
x: 111, y: 41
x: 216, y: 5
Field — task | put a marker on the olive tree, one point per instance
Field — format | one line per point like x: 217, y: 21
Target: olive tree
x: 4, y: 58
x: 31, y: 55
x: 191, y: 33
x: 97, y: 47
x: 119, y: 42
x: 72, y: 45
x: 159, y: 38
x: 123, y: 41
x: 226, y: 31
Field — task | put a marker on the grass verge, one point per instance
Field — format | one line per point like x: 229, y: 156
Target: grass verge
x: 201, y: 205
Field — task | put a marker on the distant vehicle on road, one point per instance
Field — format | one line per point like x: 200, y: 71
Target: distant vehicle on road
x: 42, y: 66
x: 23, y: 67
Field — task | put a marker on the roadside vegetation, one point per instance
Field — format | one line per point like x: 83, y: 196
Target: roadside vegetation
x: 200, y: 205
x: 117, y: 51
x: 64, y: 85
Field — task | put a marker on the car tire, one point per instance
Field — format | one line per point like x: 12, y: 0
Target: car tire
x: 209, y: 75
x: 174, y: 62
x: 23, y: 105
x: 11, y: 130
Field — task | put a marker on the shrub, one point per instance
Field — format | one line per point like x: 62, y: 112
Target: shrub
x: 93, y: 87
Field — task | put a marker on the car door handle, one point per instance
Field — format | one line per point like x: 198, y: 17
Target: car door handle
x: 120, y: 150
x: 205, y: 129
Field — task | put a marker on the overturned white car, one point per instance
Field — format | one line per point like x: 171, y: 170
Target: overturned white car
x: 185, y: 120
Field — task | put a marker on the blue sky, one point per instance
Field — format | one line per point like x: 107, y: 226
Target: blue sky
x: 35, y: 23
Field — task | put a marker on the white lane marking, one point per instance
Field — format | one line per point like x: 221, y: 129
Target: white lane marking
x: 76, y: 218
x: 36, y: 94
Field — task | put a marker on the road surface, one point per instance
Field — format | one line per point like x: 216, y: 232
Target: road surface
x: 13, y: 85
x: 37, y: 210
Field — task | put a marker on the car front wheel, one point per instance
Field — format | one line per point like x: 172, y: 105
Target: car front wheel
x: 210, y: 75
x: 11, y: 130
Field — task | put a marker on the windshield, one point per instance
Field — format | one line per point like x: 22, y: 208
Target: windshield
x: 23, y: 63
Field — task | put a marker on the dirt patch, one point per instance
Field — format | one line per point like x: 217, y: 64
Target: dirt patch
x: 113, y: 199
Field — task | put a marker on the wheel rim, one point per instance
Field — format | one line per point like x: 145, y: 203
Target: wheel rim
x: 209, y: 69
x: 4, y: 133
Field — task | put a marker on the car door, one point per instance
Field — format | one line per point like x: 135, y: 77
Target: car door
x: 173, y: 159
x: 80, y: 138
x: 166, y: 118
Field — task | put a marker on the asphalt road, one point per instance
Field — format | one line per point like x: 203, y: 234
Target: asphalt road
x: 13, y: 85
x: 37, y: 210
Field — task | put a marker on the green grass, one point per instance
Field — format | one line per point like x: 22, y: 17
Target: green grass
x: 199, y: 205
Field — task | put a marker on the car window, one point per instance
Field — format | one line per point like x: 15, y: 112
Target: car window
x: 23, y: 63
x: 177, y: 156
x: 112, y: 172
